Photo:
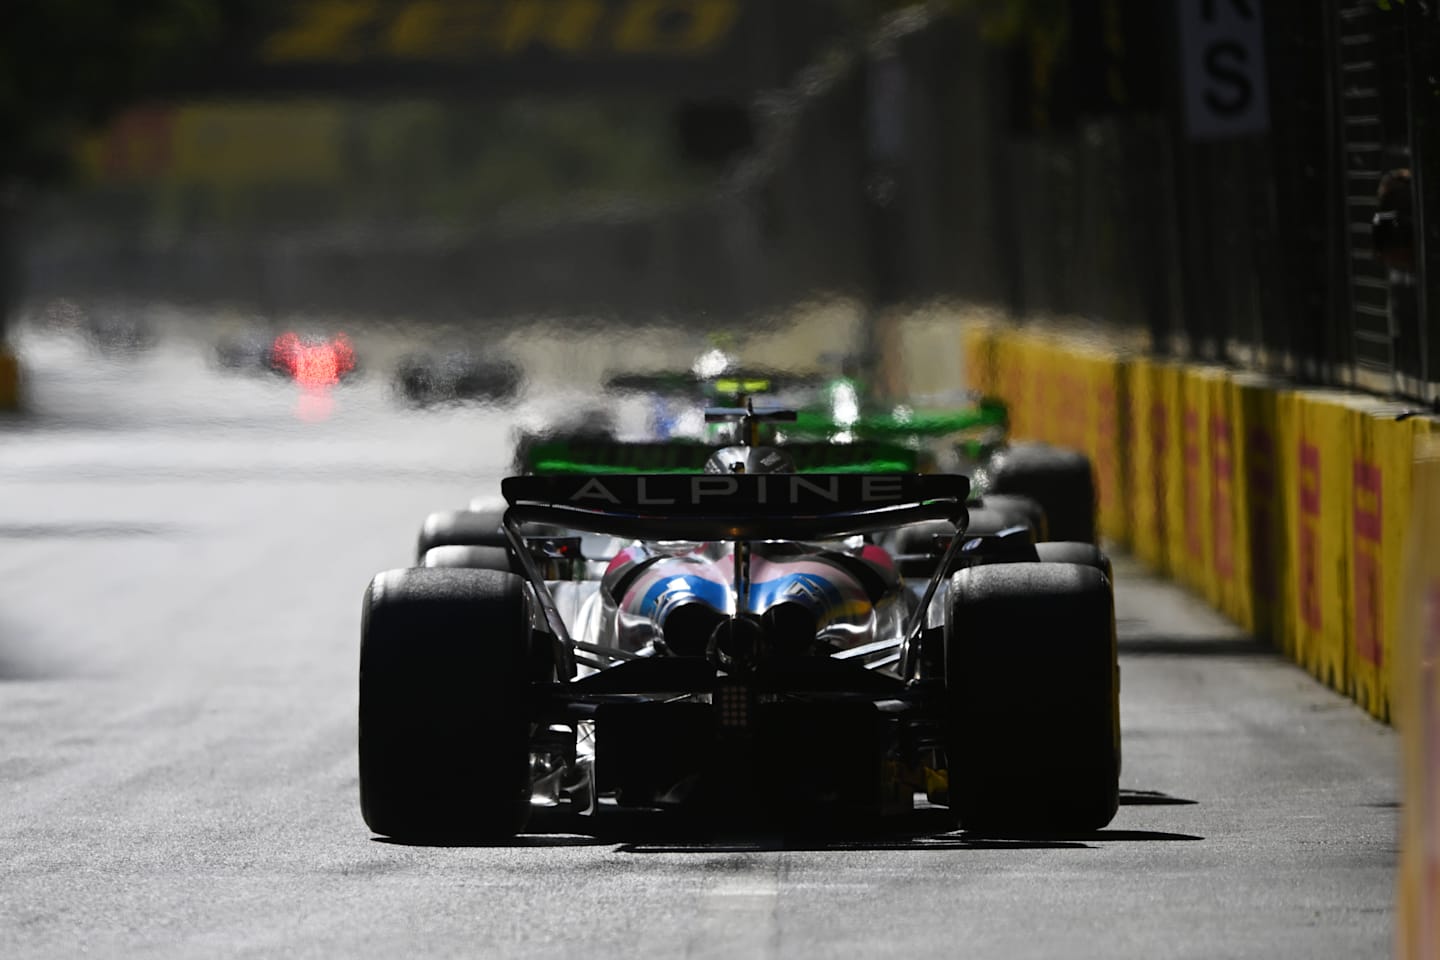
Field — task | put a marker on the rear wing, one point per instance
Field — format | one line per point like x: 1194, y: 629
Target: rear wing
x: 742, y: 383
x: 592, y: 455
x: 702, y: 506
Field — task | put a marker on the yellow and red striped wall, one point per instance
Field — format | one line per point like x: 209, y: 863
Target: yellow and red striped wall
x: 1286, y: 508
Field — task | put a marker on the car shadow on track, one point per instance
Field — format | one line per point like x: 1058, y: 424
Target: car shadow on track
x: 927, y: 828
x: 816, y: 844
x: 958, y: 840
x: 1225, y: 645
x: 537, y: 840
x: 1152, y: 798
x: 651, y: 833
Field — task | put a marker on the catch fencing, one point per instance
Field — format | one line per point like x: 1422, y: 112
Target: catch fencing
x: 1301, y: 242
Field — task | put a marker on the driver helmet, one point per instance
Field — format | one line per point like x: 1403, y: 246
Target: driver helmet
x: 749, y: 460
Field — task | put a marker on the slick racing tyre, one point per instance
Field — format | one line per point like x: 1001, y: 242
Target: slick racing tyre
x: 919, y: 538
x: 1060, y: 480
x: 444, y: 705
x: 454, y: 556
x: 987, y: 521
x: 1032, y: 699
x: 1068, y: 551
x: 466, y: 528
x: 1016, y: 511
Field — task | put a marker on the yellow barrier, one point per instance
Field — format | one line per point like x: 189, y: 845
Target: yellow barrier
x: 1316, y: 432
x: 1147, y: 459
x: 1169, y: 421
x: 1260, y: 555
x: 977, y: 345
x: 1071, y: 396
x: 1106, y: 442
x: 1418, y: 702
x: 1006, y: 377
x: 1222, y: 481
x: 1382, y: 450
x: 1198, y: 509
x: 1286, y: 508
x: 9, y: 380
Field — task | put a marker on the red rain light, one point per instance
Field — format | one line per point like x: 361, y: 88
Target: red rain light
x: 313, y: 363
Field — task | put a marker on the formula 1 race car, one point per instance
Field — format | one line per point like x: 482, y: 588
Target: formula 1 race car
x: 738, y: 641
x: 1049, y: 487
x: 311, y: 360
x: 456, y: 376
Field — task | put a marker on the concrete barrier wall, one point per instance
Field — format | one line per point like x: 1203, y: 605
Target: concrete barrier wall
x: 1286, y: 508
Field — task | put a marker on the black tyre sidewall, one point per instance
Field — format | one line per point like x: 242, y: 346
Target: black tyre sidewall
x: 1061, y: 481
x: 465, y: 528
x: 1070, y: 551
x: 1018, y: 511
x: 1032, y: 691
x: 444, y: 705
x: 455, y: 556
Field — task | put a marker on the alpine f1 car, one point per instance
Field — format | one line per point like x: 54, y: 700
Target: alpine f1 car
x: 739, y: 638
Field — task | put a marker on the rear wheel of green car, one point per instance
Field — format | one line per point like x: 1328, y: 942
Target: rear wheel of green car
x: 1061, y: 481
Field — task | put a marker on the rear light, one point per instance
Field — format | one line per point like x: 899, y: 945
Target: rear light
x: 310, y: 363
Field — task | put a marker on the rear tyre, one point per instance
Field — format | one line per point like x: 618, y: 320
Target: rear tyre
x: 1060, y: 480
x: 1033, y: 706
x: 456, y: 557
x: 919, y: 538
x: 1018, y: 511
x: 466, y: 528
x: 444, y: 706
x: 1085, y: 554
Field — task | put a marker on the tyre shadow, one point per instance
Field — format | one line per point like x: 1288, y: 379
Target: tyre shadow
x: 1104, y: 836
x: 1152, y: 798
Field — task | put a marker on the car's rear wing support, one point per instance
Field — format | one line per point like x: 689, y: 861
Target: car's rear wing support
x: 916, y: 622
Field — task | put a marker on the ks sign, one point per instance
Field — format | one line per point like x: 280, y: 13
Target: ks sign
x: 1222, y: 61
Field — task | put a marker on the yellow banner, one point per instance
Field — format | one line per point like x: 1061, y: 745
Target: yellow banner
x: 1148, y: 435
x: 1105, y: 442
x: 351, y: 31
x: 1318, y: 474
x: 1168, y: 423
x: 1380, y: 513
x: 977, y: 345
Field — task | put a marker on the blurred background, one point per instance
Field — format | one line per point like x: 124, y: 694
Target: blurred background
x: 1199, y: 180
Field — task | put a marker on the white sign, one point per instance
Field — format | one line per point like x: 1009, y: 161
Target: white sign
x: 1222, y: 63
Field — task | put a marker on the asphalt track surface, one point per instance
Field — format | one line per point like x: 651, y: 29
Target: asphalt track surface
x: 182, y: 555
